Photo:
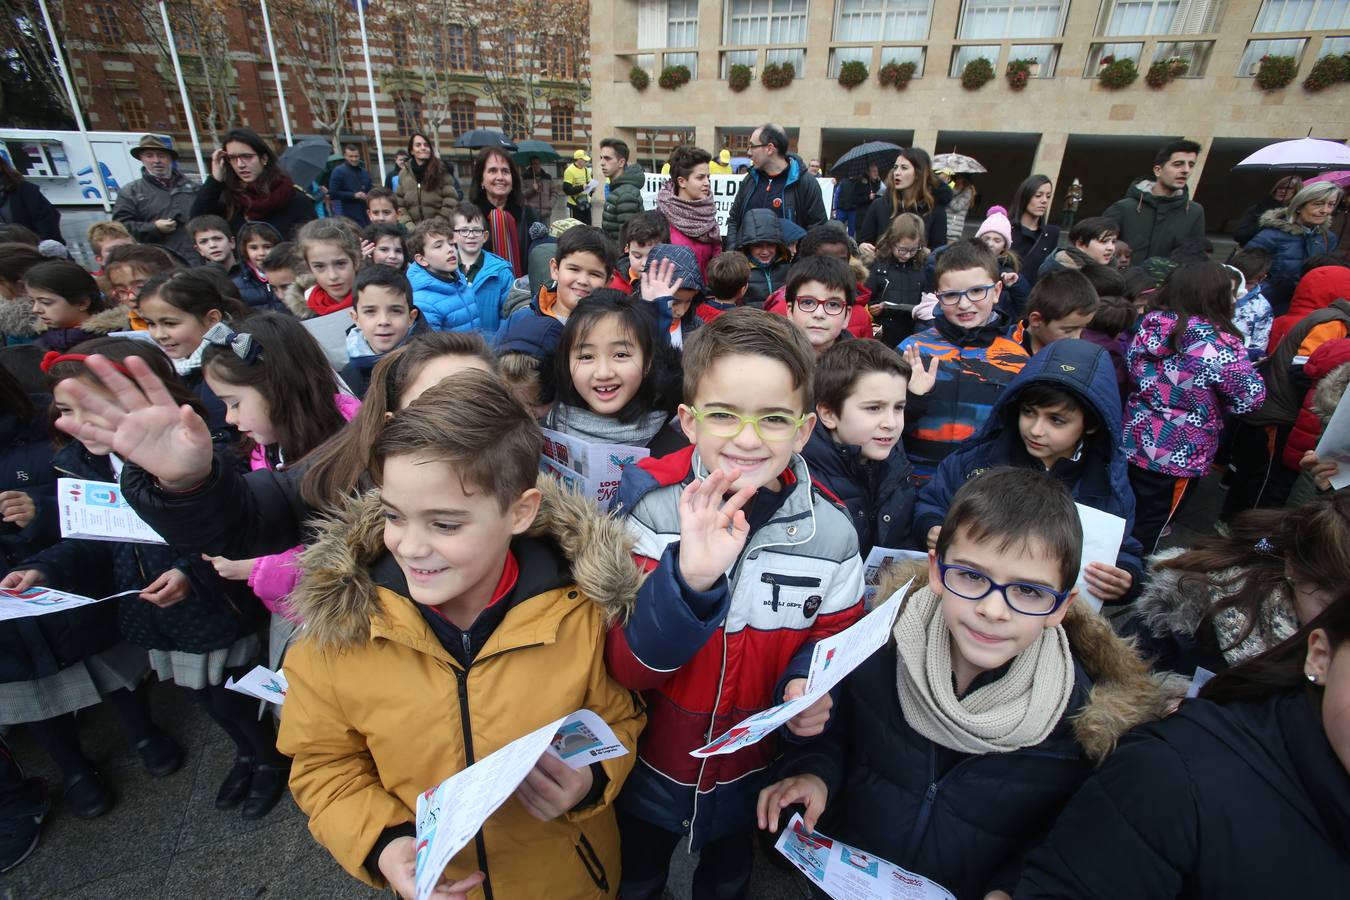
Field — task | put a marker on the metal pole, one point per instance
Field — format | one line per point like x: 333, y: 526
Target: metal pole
x: 370, y: 86
x: 276, y: 74
x: 202, y: 170
x: 75, y: 106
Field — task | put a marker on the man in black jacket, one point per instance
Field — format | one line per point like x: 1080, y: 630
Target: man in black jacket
x: 779, y: 182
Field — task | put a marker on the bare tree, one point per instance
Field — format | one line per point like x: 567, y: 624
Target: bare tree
x: 313, y: 37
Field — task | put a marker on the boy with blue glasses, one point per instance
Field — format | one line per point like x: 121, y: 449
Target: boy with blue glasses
x: 954, y: 747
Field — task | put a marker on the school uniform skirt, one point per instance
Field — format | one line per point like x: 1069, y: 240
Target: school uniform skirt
x: 197, y: 671
x: 77, y: 686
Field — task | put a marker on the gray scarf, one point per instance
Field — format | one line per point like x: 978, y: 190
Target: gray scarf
x: 581, y: 422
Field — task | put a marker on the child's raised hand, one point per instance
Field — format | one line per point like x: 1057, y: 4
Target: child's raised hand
x: 398, y: 865
x: 166, y: 590
x: 1010, y: 278
x: 1107, y: 582
x: 22, y: 580
x: 712, y: 530
x: 231, y: 569
x: 808, y: 790
x: 553, y: 788
x: 367, y: 248
x: 812, y: 720
x: 143, y: 424
x: 17, y: 508
x: 659, y: 280
x: 921, y: 377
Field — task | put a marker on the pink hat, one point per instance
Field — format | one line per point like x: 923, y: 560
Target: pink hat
x: 998, y: 223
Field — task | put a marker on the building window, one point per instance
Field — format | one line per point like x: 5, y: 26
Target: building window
x: 1251, y: 58
x: 454, y: 47
x: 738, y: 58
x: 398, y: 43
x: 795, y: 55
x: 985, y: 19
x: 514, y: 123
x: 1046, y: 55
x: 132, y: 112
x: 888, y: 20
x: 562, y: 118
x: 1334, y: 46
x: 1302, y: 15
x: 841, y: 55
x: 510, y: 52
x: 463, y: 115
x: 765, y: 22
x: 106, y: 23
x: 1159, y: 17
x: 688, y: 60
x: 963, y: 55
x: 1196, y: 54
x: 408, y: 114
x: 682, y: 23
x: 558, y: 62
x: 1098, y: 52
x: 904, y: 55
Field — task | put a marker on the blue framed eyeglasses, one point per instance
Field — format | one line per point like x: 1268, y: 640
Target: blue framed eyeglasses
x: 1021, y: 597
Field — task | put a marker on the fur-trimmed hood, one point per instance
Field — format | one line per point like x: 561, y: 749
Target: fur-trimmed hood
x: 1329, y: 391
x: 1124, y: 693
x: 100, y: 323
x: 294, y: 297
x: 1281, y: 219
x: 338, y: 595
x: 17, y: 319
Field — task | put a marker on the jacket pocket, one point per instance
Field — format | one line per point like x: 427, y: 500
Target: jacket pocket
x: 591, y: 862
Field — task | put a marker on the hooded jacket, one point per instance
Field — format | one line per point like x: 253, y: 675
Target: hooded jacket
x: 490, y: 286
x: 965, y: 820
x: 1288, y: 244
x: 1099, y: 479
x: 1317, y: 290
x: 145, y: 200
x: 533, y: 328
x: 379, y: 711
x: 417, y: 203
x: 761, y: 226
x: 446, y: 302
x: 1242, y: 801
x: 1153, y: 225
x: 1177, y: 409
x: 1327, y: 363
x: 878, y: 495
x: 624, y: 199
x: 802, y: 201
x: 975, y: 365
x: 100, y: 324
x: 706, y: 660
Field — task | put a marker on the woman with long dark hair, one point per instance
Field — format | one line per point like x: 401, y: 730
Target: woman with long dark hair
x: 21, y: 203
x: 910, y: 187
x: 247, y: 184
x: 1033, y: 237
x: 425, y: 189
x: 1241, y: 794
x: 686, y: 202
x: 496, y: 190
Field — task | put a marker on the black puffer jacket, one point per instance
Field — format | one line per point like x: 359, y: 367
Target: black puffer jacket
x: 900, y: 286
x: 215, y: 612
x: 878, y: 217
x: 966, y: 820
x: 1234, y: 802
x: 1033, y: 248
x: 879, y: 495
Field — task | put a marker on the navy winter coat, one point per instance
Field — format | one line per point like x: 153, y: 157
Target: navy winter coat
x: 1100, y: 479
x: 1234, y: 802
x: 1032, y: 248
x: 879, y: 495
x: 213, y: 615
x: 26, y: 465
x: 344, y: 183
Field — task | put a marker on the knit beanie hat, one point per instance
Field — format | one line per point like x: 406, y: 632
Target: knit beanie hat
x: 997, y: 223
x: 686, y: 264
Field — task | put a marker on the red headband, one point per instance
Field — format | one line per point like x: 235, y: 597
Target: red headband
x: 52, y: 357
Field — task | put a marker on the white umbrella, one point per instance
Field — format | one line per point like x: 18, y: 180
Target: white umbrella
x: 957, y: 164
x: 1302, y: 155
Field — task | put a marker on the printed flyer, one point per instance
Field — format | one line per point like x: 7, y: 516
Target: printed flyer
x: 847, y: 873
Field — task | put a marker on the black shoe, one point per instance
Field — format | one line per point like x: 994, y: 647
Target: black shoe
x: 161, y: 754
x: 234, y: 788
x: 21, y: 815
x: 269, y: 784
x: 87, y: 797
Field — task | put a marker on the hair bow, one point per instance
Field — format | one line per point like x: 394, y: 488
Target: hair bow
x: 243, y: 346
x: 1265, y: 546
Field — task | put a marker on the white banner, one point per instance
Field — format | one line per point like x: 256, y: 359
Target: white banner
x: 724, y: 188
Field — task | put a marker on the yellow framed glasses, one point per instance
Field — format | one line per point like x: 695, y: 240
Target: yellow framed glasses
x: 771, y: 427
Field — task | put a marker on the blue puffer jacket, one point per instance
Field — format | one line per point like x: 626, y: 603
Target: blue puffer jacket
x: 1289, y: 245
x: 879, y: 496
x: 1100, y: 478
x: 447, y: 304
x: 489, y: 287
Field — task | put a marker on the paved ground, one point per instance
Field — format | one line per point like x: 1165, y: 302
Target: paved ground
x: 165, y: 839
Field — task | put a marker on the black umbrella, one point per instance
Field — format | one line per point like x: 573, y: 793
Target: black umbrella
x: 306, y: 160
x: 484, y: 137
x: 857, y: 161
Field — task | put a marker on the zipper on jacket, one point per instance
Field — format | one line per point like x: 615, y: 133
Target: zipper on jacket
x: 466, y: 728
x: 594, y: 867
x: 712, y: 723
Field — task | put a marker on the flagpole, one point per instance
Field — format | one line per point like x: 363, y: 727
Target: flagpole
x: 370, y: 86
x: 276, y: 74
x: 202, y: 170
x: 75, y: 106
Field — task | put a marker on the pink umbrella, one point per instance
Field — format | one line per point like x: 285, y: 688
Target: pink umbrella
x: 1341, y: 179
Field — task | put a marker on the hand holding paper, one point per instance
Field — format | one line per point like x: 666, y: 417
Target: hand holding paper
x: 1102, y: 536
x: 812, y: 720
x: 553, y: 787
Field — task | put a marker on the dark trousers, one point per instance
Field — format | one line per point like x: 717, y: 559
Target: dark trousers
x: 1157, y: 500
x: 1260, y: 478
x: 723, y: 871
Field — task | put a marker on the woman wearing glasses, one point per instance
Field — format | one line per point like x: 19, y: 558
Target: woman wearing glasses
x: 248, y: 185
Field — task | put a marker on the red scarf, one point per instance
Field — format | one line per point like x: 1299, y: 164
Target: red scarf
x: 504, y: 237
x: 319, y: 300
x: 256, y: 204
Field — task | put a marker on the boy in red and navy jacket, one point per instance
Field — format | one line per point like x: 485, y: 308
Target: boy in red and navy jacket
x: 750, y: 566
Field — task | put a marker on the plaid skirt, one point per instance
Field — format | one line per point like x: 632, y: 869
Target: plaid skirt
x: 77, y: 686
x: 196, y: 671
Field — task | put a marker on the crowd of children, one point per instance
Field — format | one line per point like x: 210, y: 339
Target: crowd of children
x: 368, y: 512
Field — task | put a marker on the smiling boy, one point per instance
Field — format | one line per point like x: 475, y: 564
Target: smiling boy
x: 962, y: 363
x: 819, y: 299
x: 580, y: 266
x: 957, y: 744
x: 488, y: 275
x: 750, y: 565
x: 385, y: 320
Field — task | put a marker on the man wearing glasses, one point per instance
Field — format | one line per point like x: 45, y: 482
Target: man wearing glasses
x: 963, y: 362
x: 778, y: 182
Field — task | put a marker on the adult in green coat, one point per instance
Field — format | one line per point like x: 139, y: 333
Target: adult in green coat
x: 624, y: 199
x: 1155, y: 216
x: 425, y: 189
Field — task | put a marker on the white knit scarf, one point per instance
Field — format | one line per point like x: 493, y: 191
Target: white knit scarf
x: 1018, y: 710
